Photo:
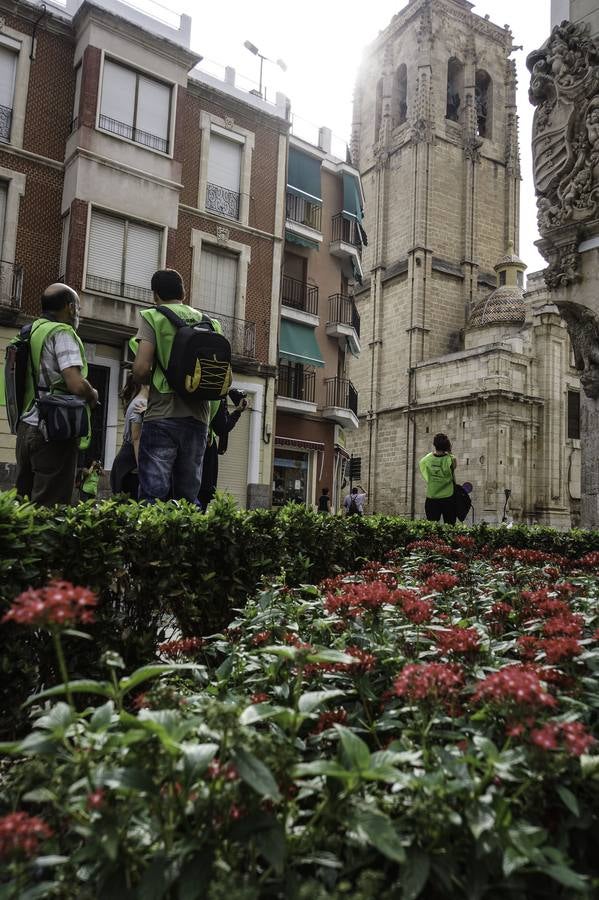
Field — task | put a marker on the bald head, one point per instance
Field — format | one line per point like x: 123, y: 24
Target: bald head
x: 57, y: 296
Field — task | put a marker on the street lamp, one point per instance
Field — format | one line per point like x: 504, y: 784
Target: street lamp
x: 277, y: 62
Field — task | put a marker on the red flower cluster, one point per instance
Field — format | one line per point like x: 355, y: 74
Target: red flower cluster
x: 541, y: 604
x: 417, y: 611
x: 58, y: 604
x: 259, y: 697
x: 513, y: 684
x: 560, y: 648
x: 364, y: 662
x: 441, y: 582
x: 465, y: 542
x: 527, y: 646
x: 590, y: 560
x: 20, y: 835
x: 564, y: 626
x: 429, y: 681
x: 373, y: 571
x: 498, y: 616
x: 425, y: 570
x: 530, y: 557
x: 262, y: 637
x: 96, y: 799
x: 182, y: 647
x: 217, y: 769
x: 569, y: 736
x: 328, y: 719
x: 357, y: 599
x: 463, y: 641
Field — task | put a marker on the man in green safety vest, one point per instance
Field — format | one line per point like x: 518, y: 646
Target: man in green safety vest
x: 46, y: 469
x: 173, y: 436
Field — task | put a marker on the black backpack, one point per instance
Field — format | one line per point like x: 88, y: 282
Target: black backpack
x: 16, y: 364
x: 354, y: 509
x: 462, y: 501
x: 199, y: 366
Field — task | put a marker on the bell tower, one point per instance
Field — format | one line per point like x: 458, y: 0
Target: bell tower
x: 435, y: 137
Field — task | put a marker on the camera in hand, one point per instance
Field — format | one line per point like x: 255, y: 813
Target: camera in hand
x: 237, y: 396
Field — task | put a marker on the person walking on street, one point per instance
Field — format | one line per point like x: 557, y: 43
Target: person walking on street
x: 354, y: 502
x: 221, y: 423
x: 46, y: 469
x: 437, y: 469
x: 324, y: 501
x: 174, y: 434
x: 123, y: 475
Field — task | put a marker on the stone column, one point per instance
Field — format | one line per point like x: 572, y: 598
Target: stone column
x: 564, y: 88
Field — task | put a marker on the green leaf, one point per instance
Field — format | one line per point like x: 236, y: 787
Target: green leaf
x: 354, y: 752
x: 197, y: 758
x: 257, y: 712
x: 566, y: 876
x: 37, y: 742
x: 102, y: 688
x: 325, y: 767
x: 39, y: 795
x: 588, y: 764
x: 480, y: 820
x: 155, y: 881
x: 256, y: 774
x: 569, y: 800
x: 512, y: 861
x: 332, y: 656
x: 312, y: 699
x: 102, y: 717
x: 147, y: 672
x: 57, y: 720
x: 271, y: 844
x: 78, y: 634
x: 414, y: 875
x: 194, y: 880
x: 378, y: 830
x: 46, y: 862
x: 284, y: 652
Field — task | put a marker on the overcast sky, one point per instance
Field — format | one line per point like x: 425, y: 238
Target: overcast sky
x: 321, y: 41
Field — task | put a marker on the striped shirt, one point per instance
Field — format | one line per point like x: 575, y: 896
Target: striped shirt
x: 60, y: 351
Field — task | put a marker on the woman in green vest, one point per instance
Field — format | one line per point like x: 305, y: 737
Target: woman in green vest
x: 437, y: 469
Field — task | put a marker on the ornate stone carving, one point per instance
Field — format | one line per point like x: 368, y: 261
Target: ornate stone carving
x: 229, y: 122
x: 222, y: 234
x: 583, y: 328
x: 472, y: 146
x: 564, y: 266
x: 564, y: 87
x: 2, y: 23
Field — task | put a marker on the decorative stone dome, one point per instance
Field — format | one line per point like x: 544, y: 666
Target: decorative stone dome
x: 504, y: 305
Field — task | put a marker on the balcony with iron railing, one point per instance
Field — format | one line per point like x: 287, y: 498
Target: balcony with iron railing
x: 118, y: 288
x: 11, y: 287
x: 299, y: 295
x: 240, y: 333
x: 303, y: 212
x: 124, y: 130
x: 341, y: 402
x: 346, y: 240
x: 222, y: 201
x: 296, y: 387
x: 5, y: 122
x: 344, y: 321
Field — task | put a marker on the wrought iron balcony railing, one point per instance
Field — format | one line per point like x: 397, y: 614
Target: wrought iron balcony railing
x: 340, y: 392
x: 300, y: 295
x: 240, y: 333
x: 345, y: 228
x: 342, y: 310
x: 296, y: 382
x: 11, y: 285
x: 304, y: 212
x: 118, y: 288
x: 5, y: 122
x: 222, y: 201
x: 134, y: 134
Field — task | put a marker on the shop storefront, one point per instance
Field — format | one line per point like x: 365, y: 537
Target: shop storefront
x: 295, y: 471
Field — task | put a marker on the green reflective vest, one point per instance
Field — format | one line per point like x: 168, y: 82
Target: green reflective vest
x: 90, y: 485
x: 437, y: 471
x: 165, y: 335
x: 41, y: 329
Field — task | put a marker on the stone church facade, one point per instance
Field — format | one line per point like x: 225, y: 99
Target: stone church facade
x: 450, y: 342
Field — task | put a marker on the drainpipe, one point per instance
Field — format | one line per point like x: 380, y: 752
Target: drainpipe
x: 33, y: 33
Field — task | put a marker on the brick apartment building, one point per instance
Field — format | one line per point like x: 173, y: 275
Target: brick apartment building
x: 320, y: 326
x: 118, y: 157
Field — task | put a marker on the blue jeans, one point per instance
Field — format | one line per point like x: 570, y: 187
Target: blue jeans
x: 171, y: 454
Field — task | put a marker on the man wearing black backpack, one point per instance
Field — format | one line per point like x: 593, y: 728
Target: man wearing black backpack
x: 175, y: 428
x: 47, y: 462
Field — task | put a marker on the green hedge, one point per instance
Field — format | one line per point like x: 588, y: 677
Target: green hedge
x: 155, y: 566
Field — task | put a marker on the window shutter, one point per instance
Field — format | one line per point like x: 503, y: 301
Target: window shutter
x: 142, y: 256
x: 77, y: 92
x: 118, y: 93
x: 105, y: 251
x: 233, y: 465
x: 224, y: 163
x: 153, y: 108
x: 8, y: 68
x: 218, y: 281
x: 64, y: 243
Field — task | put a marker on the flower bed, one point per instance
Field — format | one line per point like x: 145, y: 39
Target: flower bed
x: 425, y: 727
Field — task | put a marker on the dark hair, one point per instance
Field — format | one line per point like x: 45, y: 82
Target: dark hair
x: 442, y: 442
x: 168, y: 284
x: 130, y: 390
x: 354, y: 490
x: 325, y: 490
x: 56, y: 297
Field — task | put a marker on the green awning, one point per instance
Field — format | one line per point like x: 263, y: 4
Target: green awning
x: 352, y: 200
x: 301, y: 241
x: 298, y: 344
x: 303, y: 175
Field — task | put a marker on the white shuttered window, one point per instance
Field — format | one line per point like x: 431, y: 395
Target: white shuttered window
x: 122, y: 256
x: 8, y: 68
x: 224, y: 162
x: 218, y: 281
x: 3, y: 195
x: 135, y: 106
